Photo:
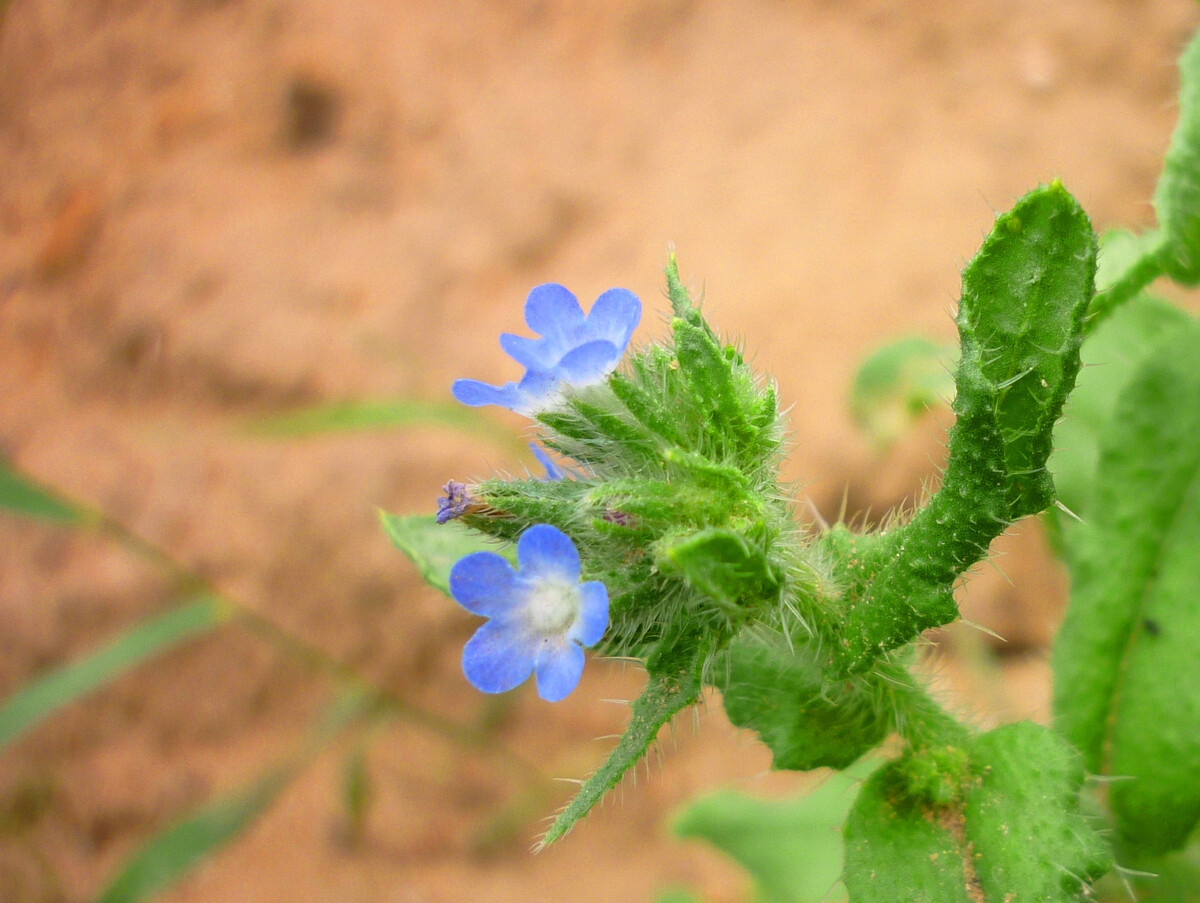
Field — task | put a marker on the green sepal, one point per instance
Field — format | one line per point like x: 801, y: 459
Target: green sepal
x: 645, y: 409
x: 779, y: 692
x: 1127, y: 673
x: 1020, y: 327
x: 710, y: 377
x: 675, y: 681
x: 507, y: 507
x: 723, y: 564
x: 1013, y: 831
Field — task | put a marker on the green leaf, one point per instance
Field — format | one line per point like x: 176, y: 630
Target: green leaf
x: 1110, y: 356
x: 1128, y: 263
x: 168, y: 857
x: 898, y: 383
x: 50, y: 692
x: 434, y: 547
x: 669, y: 690
x: 723, y: 565
x: 1015, y: 833
x: 781, y: 695
x: 1177, y: 199
x: 1127, y: 661
x: 21, y: 496
x: 791, y: 848
x: 1020, y: 326
x: 1028, y: 838
x: 366, y: 415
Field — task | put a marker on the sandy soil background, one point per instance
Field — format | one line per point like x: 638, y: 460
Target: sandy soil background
x: 212, y: 210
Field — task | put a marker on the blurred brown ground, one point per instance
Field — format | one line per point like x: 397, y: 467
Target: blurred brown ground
x: 214, y: 209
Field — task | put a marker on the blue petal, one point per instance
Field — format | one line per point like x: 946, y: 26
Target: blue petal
x: 593, y: 614
x: 535, y: 392
x: 553, y: 471
x: 544, y: 550
x: 551, y: 310
x: 533, y: 354
x: 483, y: 583
x: 474, y: 393
x: 559, y: 667
x: 614, y: 316
x: 589, y: 363
x: 499, y: 657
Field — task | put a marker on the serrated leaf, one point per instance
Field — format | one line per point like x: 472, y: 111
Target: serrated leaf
x: 1177, y: 198
x: 434, y: 547
x: 898, y: 383
x: 782, y: 695
x: 791, y: 848
x: 669, y: 690
x: 49, y: 692
x: 1109, y: 357
x: 168, y: 857
x: 1127, y: 660
x: 1016, y: 832
x: 21, y: 496
x: 1020, y: 326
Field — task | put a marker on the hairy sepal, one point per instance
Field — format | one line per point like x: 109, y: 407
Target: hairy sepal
x: 1012, y: 831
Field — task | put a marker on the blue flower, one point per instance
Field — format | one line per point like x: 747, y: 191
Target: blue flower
x: 574, y: 349
x: 540, y: 614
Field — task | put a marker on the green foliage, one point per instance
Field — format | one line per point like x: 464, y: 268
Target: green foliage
x: 1127, y: 673
x: 48, y: 693
x: 168, y: 857
x: 1110, y: 356
x: 898, y: 383
x: 1177, y: 199
x: 1020, y: 327
x: 21, y: 496
x: 791, y: 848
x: 1013, y: 832
x: 674, y: 684
x: 433, y: 547
x: 781, y: 693
x: 354, y: 416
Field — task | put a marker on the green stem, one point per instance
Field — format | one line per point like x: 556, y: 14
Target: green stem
x: 920, y: 720
x: 1148, y: 267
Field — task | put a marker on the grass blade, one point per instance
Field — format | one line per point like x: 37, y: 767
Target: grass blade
x: 22, y: 497
x: 50, y: 692
x: 173, y: 853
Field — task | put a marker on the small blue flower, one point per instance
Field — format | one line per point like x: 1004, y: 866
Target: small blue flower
x: 541, y: 615
x: 574, y: 349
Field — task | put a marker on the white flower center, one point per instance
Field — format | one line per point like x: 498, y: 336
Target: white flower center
x: 551, y: 607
